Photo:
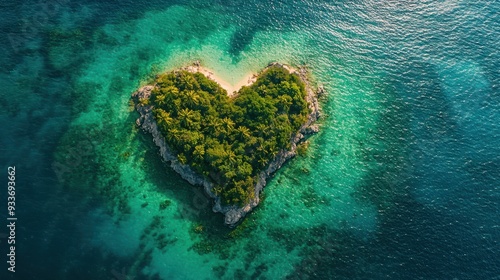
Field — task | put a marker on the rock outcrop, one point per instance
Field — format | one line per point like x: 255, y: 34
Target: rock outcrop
x: 232, y: 213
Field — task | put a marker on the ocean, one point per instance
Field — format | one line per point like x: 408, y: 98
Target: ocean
x: 402, y: 182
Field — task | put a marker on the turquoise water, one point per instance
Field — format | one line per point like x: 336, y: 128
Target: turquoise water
x: 402, y: 182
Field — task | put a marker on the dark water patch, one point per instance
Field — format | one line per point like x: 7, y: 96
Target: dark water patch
x: 76, y: 162
x: 96, y: 265
x: 240, y: 40
x: 65, y: 50
x: 88, y: 161
x: 432, y: 240
x: 220, y: 270
x: 288, y: 238
x: 426, y: 242
x: 155, y: 231
x: 262, y: 268
x: 211, y: 236
x: 385, y: 152
x: 426, y: 98
x: 51, y: 226
x: 192, y: 202
x: 254, y: 16
x: 487, y: 172
x: 310, y: 198
x: 330, y: 254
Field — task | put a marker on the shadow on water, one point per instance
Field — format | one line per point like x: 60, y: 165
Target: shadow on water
x: 416, y: 124
x: 193, y: 203
x: 387, y: 185
x: 208, y: 232
x: 240, y: 40
x: 386, y: 152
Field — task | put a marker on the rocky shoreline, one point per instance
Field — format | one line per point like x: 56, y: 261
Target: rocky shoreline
x: 233, y: 214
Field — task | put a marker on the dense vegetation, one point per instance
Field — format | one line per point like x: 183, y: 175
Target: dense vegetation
x: 229, y: 140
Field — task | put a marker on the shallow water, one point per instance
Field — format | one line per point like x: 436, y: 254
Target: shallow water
x: 402, y: 182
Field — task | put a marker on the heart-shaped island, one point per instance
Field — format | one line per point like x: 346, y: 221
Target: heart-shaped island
x: 229, y: 145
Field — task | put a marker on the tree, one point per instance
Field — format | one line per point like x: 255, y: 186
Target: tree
x: 186, y: 81
x: 160, y: 99
x: 199, y: 153
x: 174, y: 136
x: 230, y: 156
x: 163, y: 118
x: 214, y: 126
x: 262, y: 130
x: 262, y: 161
x: 283, y: 103
x: 228, y: 126
x: 243, y: 132
x: 192, y: 98
x: 189, y: 119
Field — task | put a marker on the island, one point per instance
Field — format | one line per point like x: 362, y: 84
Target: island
x: 229, y: 143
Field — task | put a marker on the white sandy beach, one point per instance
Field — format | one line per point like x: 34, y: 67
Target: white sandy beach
x: 231, y: 87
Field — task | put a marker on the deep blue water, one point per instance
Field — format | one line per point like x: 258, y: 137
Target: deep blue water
x: 405, y: 175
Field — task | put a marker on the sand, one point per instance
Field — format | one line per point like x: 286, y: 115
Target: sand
x: 231, y: 87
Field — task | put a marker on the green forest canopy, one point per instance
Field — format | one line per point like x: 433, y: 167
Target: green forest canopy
x: 229, y: 140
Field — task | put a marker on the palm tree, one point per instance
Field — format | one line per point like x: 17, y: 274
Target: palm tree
x: 262, y: 161
x: 174, y: 136
x: 244, y: 132
x: 199, y: 152
x: 230, y: 156
x: 170, y: 93
x: 160, y: 99
x: 163, y: 118
x: 187, y: 81
x: 284, y: 102
x: 260, y: 147
x: 192, y: 97
x: 185, y: 116
x: 262, y: 129
x: 228, y: 124
x: 171, y: 90
x: 214, y: 125
x: 272, y: 148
